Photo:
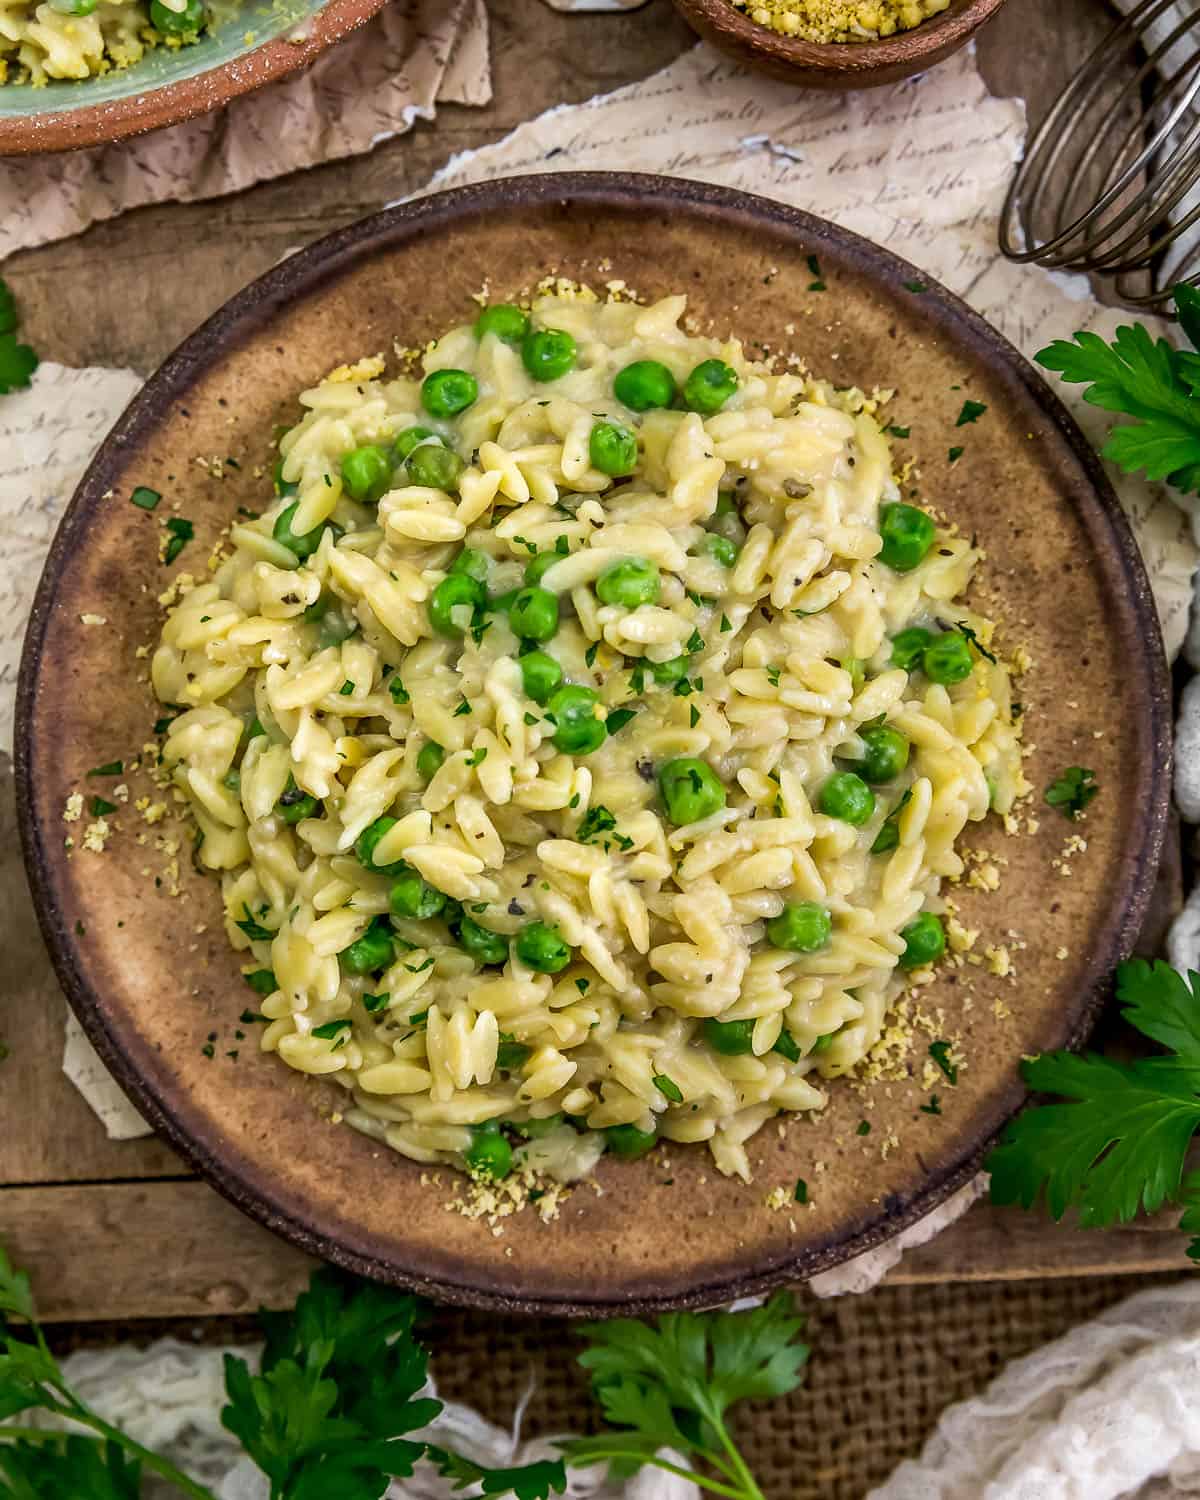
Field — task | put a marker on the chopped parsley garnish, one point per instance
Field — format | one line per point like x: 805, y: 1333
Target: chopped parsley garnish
x: 668, y: 1088
x: 619, y: 718
x: 346, y: 689
x: 253, y: 1017
x: 421, y: 1016
x: 373, y: 1003
x: 801, y: 1193
x: 582, y: 985
x: 955, y: 454
x: 897, y: 432
x: 695, y: 642
x: 181, y: 533
x: 693, y: 715
x: 915, y: 286
x: 531, y: 719
x: 940, y: 1052
x: 144, y: 497
x: 101, y: 808
x: 1073, y: 790
x: 398, y: 691
x: 684, y: 688
x: 477, y: 757
x: 209, y: 1051
x: 510, y: 1054
x: 971, y: 412
x: 864, y: 1128
x: 595, y: 821
x: 419, y: 969
x: 337, y: 1032
x: 637, y: 678
x: 772, y: 675
x: 589, y: 655
x: 110, y: 768
x: 725, y: 625
x: 463, y: 708
x: 17, y: 364
x: 965, y: 630
x: 262, y: 981
x: 934, y: 1107
x: 561, y: 545
x: 253, y: 930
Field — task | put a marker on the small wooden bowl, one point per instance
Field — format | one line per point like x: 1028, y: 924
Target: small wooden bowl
x: 837, y: 65
x: 167, y: 87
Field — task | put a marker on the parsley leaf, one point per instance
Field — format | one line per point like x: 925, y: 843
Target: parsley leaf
x: 940, y: 1052
x: 1073, y: 790
x: 254, y: 930
x: 619, y: 718
x: 536, y: 1481
x: 17, y: 364
x: 595, y: 821
x: 1146, y: 379
x: 73, y: 1466
x: 971, y: 412
x: 1119, y: 1145
x: 8, y: 308
x: 181, y: 533
x: 669, y: 1385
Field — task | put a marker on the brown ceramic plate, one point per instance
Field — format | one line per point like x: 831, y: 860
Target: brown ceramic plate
x: 258, y: 44
x: 833, y: 65
x: 150, y: 974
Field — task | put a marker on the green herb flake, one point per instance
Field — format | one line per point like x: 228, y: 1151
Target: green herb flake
x: 209, y: 1051
x: 583, y: 985
x: 695, y: 642
x: 398, y: 691
x: 419, y: 969
x: 940, y: 1052
x: 668, y: 1088
x: 971, y: 412
x: 619, y: 718
x: 864, y: 1128
x: 693, y: 715
x: 111, y: 768
x: 955, y: 454
x: 934, y: 1107
x: 144, y: 497
x: 801, y: 1192
x: 101, y: 809
x: 595, y: 821
x: 262, y: 981
x: 725, y: 625
x: 463, y: 708
x: 17, y: 364
x: 375, y: 1003
x: 337, y: 1032
x: 589, y: 655
x: 1072, y: 791
x: 253, y: 930
x: 180, y: 532
x: 897, y: 432
x: 915, y: 286
x: 346, y: 689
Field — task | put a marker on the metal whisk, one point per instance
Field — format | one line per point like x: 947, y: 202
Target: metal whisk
x: 1109, y: 182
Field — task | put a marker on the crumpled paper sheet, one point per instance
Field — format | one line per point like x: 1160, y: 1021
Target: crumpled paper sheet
x: 921, y: 167
x: 369, y: 87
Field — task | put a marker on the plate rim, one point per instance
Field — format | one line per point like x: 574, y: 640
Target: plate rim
x: 380, y: 233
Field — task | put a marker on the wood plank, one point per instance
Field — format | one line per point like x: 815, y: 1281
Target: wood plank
x: 175, y: 1249
x: 50, y: 1134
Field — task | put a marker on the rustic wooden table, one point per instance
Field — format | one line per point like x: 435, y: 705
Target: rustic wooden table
x: 121, y: 1229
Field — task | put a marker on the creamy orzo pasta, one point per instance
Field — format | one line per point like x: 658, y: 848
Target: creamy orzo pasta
x: 582, y: 736
x: 73, y: 39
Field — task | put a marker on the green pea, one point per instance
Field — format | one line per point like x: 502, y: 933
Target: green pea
x: 577, y: 729
x: 787, y: 1046
x: 473, y: 563
x: 947, y: 660
x: 691, y: 790
x: 720, y: 549
x: 304, y: 545
x: 454, y: 592
x: 907, y: 534
x: 730, y: 1038
x: 409, y: 439
x: 629, y: 1142
x: 367, y: 473
x: 848, y: 797
x: 633, y: 581
x: 505, y: 320
x: 537, y: 567
x: 533, y: 614
x: 294, y: 805
x: 484, y: 946
x: 709, y: 386
x: 371, y: 952
x: 365, y: 844
x: 802, y: 927
x: 886, y: 753
x: 429, y: 759
x: 924, y: 941
x: 447, y: 392
x: 412, y: 897
x: 613, y: 449
x: 534, y: 1130
x: 908, y: 646
x: 176, y: 23
x: 540, y: 675
x: 667, y: 672
x: 644, y: 384
x: 489, y: 1155
x: 540, y: 947
x: 548, y: 354
x: 435, y: 467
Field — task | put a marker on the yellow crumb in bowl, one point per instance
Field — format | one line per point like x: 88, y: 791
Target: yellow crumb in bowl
x: 840, y: 20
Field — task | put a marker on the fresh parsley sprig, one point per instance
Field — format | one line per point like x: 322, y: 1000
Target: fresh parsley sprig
x: 670, y: 1386
x: 1146, y: 379
x: 1119, y: 1144
x: 17, y: 361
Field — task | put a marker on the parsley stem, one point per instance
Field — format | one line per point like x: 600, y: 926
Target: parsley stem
x: 637, y: 1456
x: 751, y: 1490
x: 76, y: 1411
